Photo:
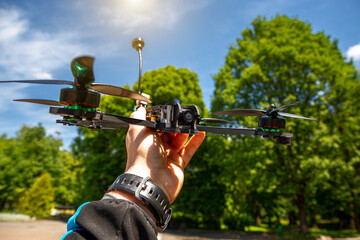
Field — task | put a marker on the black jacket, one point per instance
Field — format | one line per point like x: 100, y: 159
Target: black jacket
x: 110, y: 219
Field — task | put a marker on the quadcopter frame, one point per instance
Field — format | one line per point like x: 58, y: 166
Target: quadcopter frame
x: 166, y: 118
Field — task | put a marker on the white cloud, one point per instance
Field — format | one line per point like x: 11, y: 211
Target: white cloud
x: 10, y: 25
x: 30, y: 53
x: 354, y: 52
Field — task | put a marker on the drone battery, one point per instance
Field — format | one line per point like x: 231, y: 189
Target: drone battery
x: 85, y: 97
x: 283, y: 140
x: 271, y: 122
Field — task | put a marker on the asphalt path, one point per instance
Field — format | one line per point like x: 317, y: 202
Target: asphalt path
x: 54, y: 230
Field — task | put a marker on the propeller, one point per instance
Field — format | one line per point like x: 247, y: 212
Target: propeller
x: 272, y: 111
x: 82, y: 70
x: 117, y: 91
x: 41, y: 101
x: 42, y: 81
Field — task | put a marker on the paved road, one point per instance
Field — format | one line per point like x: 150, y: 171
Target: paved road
x: 54, y: 230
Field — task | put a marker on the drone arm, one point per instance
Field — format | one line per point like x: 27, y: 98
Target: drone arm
x: 127, y: 120
x: 246, y: 131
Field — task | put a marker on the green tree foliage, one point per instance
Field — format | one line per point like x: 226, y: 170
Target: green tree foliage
x: 282, y: 61
x: 28, y: 155
x: 170, y: 84
x: 8, y: 173
x: 102, y: 154
x: 68, y: 188
x: 39, y: 198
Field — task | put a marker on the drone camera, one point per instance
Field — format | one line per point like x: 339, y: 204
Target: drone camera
x: 188, y: 114
x: 188, y: 117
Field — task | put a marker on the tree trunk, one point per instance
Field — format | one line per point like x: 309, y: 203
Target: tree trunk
x: 302, y: 210
x: 341, y: 217
x: 292, y: 218
x: 313, y: 222
x: 257, y: 213
x: 355, y: 223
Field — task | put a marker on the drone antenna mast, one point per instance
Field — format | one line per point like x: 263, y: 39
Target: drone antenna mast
x: 138, y: 44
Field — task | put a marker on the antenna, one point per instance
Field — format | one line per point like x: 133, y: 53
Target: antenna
x: 138, y: 44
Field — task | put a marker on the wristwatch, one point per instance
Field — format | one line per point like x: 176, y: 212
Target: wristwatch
x: 150, y: 194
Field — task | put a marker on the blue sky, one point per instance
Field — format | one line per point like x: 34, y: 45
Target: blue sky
x: 39, y: 38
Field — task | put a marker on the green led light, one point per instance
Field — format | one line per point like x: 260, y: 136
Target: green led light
x: 70, y: 119
x: 79, y: 107
x: 269, y: 130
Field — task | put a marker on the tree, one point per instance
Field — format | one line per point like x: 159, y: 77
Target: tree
x: 67, y: 191
x: 170, y: 84
x: 102, y: 154
x: 8, y: 172
x: 281, y: 61
x: 28, y: 155
x: 39, y: 198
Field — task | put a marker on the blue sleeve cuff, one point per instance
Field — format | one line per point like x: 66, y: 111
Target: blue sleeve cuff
x: 72, y: 225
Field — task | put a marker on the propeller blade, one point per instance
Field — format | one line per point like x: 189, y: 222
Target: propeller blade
x: 283, y: 107
x: 82, y: 70
x: 41, y: 101
x: 44, y: 81
x: 242, y: 112
x: 117, y: 91
x: 215, y: 120
x: 294, y: 116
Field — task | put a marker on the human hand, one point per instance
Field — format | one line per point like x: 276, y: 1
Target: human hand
x: 161, y: 156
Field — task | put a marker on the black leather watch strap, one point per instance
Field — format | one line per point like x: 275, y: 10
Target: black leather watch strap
x: 150, y: 194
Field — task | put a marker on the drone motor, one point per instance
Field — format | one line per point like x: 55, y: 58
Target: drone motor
x: 267, y: 122
x: 70, y: 96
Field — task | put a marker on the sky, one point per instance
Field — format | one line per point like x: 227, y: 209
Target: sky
x: 39, y: 39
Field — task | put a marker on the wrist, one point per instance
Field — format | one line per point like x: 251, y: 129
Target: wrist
x: 145, y: 191
x: 145, y: 172
x: 118, y: 194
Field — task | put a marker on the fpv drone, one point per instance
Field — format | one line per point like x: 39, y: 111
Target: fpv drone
x: 78, y: 105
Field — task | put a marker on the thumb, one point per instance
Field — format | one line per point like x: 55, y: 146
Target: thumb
x: 140, y: 113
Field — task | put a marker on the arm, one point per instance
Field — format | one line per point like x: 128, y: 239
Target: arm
x: 160, y: 156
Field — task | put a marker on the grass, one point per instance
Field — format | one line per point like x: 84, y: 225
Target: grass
x: 261, y: 228
x: 315, y: 233
x: 333, y: 233
x: 13, y: 217
x: 293, y: 233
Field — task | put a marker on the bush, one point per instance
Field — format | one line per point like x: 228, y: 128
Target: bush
x: 38, y: 199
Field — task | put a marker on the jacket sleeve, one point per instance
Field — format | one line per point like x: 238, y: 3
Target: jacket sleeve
x: 110, y: 219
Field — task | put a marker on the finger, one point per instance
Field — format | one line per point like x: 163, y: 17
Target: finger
x: 191, y: 147
x: 165, y: 141
x: 179, y: 141
x: 140, y: 113
x: 164, y: 137
x: 134, y: 129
